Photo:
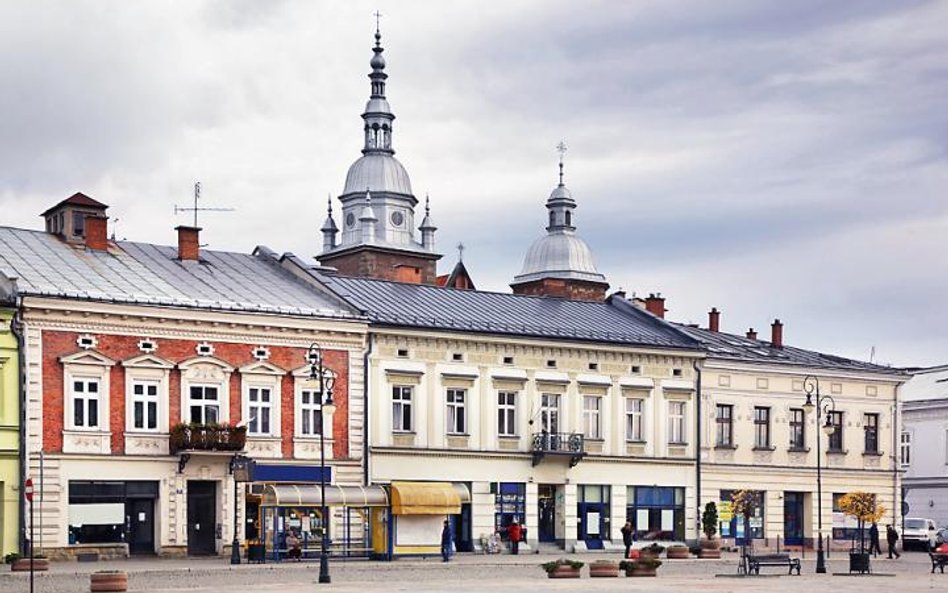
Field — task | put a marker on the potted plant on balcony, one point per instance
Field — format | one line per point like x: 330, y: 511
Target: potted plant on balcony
x: 604, y: 568
x: 861, y: 506
x: 710, y: 547
x: 562, y: 568
x: 644, y: 566
x: 678, y: 552
x: 207, y: 437
x: 107, y: 581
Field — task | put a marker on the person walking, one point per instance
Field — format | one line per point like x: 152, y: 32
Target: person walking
x: 874, y: 548
x: 514, y: 534
x: 627, y: 537
x: 892, y: 536
x: 446, y: 540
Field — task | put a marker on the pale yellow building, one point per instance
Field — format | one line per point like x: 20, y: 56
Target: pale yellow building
x: 10, y: 495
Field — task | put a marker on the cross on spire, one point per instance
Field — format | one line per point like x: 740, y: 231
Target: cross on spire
x: 461, y: 249
x: 378, y: 16
x: 561, y: 148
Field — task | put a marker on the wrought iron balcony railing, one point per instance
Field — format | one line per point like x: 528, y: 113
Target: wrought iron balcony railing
x: 207, y: 437
x: 568, y: 444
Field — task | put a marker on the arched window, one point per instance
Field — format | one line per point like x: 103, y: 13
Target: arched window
x: 552, y: 218
x: 569, y: 218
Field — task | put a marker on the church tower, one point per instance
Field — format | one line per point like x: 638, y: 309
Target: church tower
x: 378, y: 207
x: 560, y: 264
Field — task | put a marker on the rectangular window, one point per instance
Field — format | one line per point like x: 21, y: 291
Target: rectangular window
x: 549, y: 412
x: 871, y: 428
x: 656, y: 512
x: 761, y: 427
x: 735, y: 526
x: 144, y: 405
x: 724, y: 422
x: 905, y: 449
x: 401, y: 408
x: 676, y: 423
x: 592, y: 426
x: 797, y: 429
x: 836, y: 439
x: 510, y: 504
x: 79, y: 223
x: 507, y: 413
x: 85, y: 403
x: 457, y: 420
x: 311, y: 413
x: 259, y: 406
x: 205, y: 405
x: 633, y: 419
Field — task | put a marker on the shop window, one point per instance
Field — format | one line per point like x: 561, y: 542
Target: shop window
x: 593, y: 509
x: 510, y: 503
x: 733, y: 525
x: 656, y: 512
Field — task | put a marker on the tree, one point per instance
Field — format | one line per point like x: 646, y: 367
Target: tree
x: 709, y: 520
x: 863, y: 507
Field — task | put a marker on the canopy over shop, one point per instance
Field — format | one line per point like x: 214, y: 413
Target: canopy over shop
x: 412, y: 525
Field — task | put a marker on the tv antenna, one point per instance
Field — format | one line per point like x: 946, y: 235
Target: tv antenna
x: 195, y: 209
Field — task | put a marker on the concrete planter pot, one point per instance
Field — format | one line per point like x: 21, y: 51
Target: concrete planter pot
x: 108, y: 581
x: 565, y: 572
x: 709, y: 553
x: 678, y: 553
x: 23, y: 565
x: 641, y: 571
x: 604, y: 568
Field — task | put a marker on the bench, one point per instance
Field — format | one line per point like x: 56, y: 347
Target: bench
x: 754, y: 562
x: 938, y: 561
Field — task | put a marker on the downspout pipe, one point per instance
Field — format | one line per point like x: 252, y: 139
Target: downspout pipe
x: 698, y: 421
x: 365, y: 410
x: 16, y: 326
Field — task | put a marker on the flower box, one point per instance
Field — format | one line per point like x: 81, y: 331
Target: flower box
x: 563, y: 569
x: 23, y: 565
x: 678, y: 552
x: 108, y: 581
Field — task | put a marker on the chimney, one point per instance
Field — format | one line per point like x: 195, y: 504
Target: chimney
x: 751, y: 334
x: 655, y: 304
x: 97, y: 232
x: 188, y: 245
x: 776, y: 334
x: 714, y: 320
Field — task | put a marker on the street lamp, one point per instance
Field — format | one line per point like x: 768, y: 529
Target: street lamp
x: 823, y: 405
x: 319, y: 372
x: 240, y: 468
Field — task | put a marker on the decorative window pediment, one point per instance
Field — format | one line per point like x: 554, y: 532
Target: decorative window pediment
x: 88, y: 357
x: 262, y: 367
x: 148, y: 361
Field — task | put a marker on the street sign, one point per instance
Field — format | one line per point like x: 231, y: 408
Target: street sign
x: 28, y: 489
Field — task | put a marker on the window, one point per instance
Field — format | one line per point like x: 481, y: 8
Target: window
x: 551, y: 364
x: 457, y: 422
x: 85, y: 403
x: 676, y: 372
x: 259, y: 406
x: 401, y: 408
x: 145, y: 405
x: 549, y: 412
x: 797, y: 429
x: 592, y: 428
x: 633, y: 419
x: 735, y: 526
x: 636, y: 369
x: 594, y: 366
x: 311, y: 413
x: 871, y: 428
x: 656, y: 512
x: 761, y: 427
x: 905, y: 449
x: 508, y: 360
x: 507, y: 413
x: 724, y: 422
x: 457, y: 357
x: 79, y: 223
x: 676, y: 423
x: 402, y: 353
x: 510, y: 503
x: 204, y: 405
x: 836, y: 439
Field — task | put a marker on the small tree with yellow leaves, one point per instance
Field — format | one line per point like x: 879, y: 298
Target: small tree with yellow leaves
x: 744, y: 504
x: 863, y: 507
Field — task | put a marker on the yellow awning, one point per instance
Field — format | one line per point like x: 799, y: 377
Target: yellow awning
x: 310, y: 495
x: 425, y: 498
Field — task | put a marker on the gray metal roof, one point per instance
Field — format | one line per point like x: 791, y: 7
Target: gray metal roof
x: 430, y: 307
x: 722, y: 345
x: 141, y: 273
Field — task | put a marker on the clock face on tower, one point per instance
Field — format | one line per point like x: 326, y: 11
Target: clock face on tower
x: 350, y: 219
x: 397, y: 218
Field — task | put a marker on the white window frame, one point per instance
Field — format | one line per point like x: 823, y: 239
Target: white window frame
x: 261, y: 375
x: 83, y: 395
x: 905, y: 448
x: 146, y: 368
x: 87, y: 365
x: 202, y: 402
x: 257, y: 410
x: 677, y: 425
x: 550, y: 412
x: 403, y: 396
x: 144, y: 399
x: 311, y: 410
x: 592, y: 417
x: 507, y: 413
x: 205, y: 371
x: 635, y: 419
x: 456, y: 410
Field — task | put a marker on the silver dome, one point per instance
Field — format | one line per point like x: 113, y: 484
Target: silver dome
x: 560, y: 193
x: 559, y: 254
x: 379, y: 172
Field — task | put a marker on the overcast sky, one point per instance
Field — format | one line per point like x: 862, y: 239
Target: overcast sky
x: 772, y: 159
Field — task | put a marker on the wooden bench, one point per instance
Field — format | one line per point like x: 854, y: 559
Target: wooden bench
x: 939, y: 560
x: 754, y: 562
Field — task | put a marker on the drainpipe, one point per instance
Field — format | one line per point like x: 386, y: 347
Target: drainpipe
x: 897, y: 498
x: 365, y: 411
x: 16, y: 326
x: 698, y: 420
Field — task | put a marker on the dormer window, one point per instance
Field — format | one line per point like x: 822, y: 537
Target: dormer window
x: 79, y: 223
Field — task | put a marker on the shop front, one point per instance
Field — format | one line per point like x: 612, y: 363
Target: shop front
x: 414, y: 522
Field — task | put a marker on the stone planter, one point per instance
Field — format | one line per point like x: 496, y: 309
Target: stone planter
x: 678, y: 553
x: 23, y: 565
x: 108, y: 581
x: 604, y: 569
x: 642, y: 571
x: 564, y: 572
x: 709, y: 553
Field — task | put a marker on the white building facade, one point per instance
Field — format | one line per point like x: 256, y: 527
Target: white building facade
x: 923, y: 444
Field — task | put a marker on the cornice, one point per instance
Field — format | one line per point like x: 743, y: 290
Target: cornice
x: 800, y: 371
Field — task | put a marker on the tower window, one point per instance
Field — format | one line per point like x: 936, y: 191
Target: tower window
x: 569, y: 218
x: 552, y: 218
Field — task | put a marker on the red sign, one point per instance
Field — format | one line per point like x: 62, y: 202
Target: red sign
x: 28, y: 489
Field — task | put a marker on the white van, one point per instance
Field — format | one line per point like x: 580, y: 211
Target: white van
x: 918, y: 533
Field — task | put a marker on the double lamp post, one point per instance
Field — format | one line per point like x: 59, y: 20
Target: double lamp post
x: 824, y: 405
x: 319, y: 372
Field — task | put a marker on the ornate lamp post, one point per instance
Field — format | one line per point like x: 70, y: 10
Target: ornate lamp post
x: 824, y: 405
x: 240, y: 468
x: 319, y: 372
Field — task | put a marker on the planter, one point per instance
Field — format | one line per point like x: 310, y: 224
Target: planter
x: 709, y: 553
x: 641, y: 571
x: 108, y: 580
x: 859, y: 562
x: 678, y: 553
x: 23, y: 565
x: 710, y: 544
x: 564, y: 572
x: 604, y: 569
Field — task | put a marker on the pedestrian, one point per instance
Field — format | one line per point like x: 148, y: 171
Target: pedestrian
x: 627, y: 537
x: 446, y: 541
x: 892, y: 536
x: 514, y: 534
x: 874, y: 547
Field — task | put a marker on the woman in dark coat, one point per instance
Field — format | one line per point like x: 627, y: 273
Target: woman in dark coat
x: 446, y: 539
x: 627, y: 537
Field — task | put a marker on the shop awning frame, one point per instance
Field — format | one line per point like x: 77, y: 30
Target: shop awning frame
x: 310, y: 495
x: 428, y: 498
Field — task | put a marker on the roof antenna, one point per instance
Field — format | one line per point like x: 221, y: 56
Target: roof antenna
x: 114, y: 225
x: 195, y: 209
x: 561, y: 148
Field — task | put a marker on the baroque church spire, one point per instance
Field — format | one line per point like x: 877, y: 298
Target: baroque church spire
x: 378, y: 114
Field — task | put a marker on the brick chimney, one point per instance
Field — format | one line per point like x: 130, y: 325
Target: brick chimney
x: 776, y: 334
x: 751, y: 334
x: 97, y: 232
x: 655, y: 304
x: 714, y: 320
x: 189, y: 247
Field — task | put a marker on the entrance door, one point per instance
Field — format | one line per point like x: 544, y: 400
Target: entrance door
x: 592, y: 524
x: 546, y: 503
x: 202, y: 515
x: 140, y: 525
x: 793, y: 518
x: 461, y: 527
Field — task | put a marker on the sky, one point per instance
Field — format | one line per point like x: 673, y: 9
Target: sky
x: 771, y: 159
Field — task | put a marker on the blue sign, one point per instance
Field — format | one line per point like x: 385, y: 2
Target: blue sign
x: 296, y: 474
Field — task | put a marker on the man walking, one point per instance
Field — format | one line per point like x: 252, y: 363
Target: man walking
x: 874, y: 547
x: 627, y: 537
x: 446, y: 541
x: 514, y: 534
x: 892, y: 536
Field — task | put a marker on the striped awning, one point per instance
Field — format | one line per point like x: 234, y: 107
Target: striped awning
x: 310, y: 495
x: 428, y: 498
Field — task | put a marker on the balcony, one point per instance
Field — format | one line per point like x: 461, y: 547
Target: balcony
x: 568, y: 445
x: 207, y: 437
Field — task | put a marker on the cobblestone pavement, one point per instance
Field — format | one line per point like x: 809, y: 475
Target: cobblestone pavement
x: 472, y: 573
